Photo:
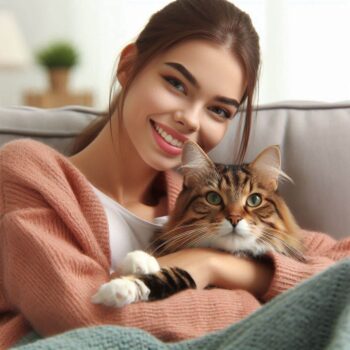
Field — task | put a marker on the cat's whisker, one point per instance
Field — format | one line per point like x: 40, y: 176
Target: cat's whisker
x: 284, y: 234
x: 199, y: 225
x: 173, y: 233
x: 185, y: 239
x: 269, y: 236
x: 202, y: 237
x: 279, y: 235
x: 267, y: 241
x: 193, y: 236
x: 176, y: 240
x: 295, y: 252
x: 257, y: 233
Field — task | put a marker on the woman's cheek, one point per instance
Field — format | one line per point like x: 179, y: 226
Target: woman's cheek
x: 158, y: 99
x: 212, y: 132
x: 166, y: 101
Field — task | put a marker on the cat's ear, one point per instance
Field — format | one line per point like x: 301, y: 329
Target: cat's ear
x: 195, y: 163
x: 267, y: 167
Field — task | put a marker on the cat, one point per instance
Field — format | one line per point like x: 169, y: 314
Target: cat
x: 234, y: 208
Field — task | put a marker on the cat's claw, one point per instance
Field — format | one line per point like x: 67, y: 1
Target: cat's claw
x: 140, y: 262
x: 120, y: 292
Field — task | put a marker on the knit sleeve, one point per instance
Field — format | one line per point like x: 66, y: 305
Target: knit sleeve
x: 321, y: 251
x: 52, y: 262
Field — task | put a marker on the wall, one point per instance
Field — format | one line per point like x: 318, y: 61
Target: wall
x: 304, y: 44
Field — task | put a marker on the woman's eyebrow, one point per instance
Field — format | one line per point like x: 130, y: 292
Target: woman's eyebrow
x: 185, y: 72
x: 229, y: 101
x: 188, y: 75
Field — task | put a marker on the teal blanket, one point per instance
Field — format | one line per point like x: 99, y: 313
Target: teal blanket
x: 314, y: 315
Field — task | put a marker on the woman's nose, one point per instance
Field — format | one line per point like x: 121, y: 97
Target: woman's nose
x: 188, y: 119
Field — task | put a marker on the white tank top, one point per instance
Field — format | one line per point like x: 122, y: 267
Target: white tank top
x: 127, y: 232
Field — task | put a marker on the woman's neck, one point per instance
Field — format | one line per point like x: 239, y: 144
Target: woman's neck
x: 128, y: 180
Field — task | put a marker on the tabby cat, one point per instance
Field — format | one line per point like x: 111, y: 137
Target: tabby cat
x: 235, y: 208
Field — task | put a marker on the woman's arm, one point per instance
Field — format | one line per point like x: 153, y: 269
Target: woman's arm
x: 223, y: 270
x: 233, y: 272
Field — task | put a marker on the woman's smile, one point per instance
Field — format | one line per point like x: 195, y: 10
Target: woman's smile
x: 168, y: 139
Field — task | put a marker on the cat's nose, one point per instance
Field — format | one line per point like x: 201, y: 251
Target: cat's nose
x: 234, y: 219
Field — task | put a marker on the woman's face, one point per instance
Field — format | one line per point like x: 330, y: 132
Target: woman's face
x: 191, y: 92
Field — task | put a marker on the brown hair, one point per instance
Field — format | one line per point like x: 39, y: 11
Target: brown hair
x: 218, y: 21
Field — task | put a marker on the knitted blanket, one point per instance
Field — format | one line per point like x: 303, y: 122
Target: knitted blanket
x: 314, y: 315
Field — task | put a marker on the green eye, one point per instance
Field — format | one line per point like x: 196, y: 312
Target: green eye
x: 214, y: 198
x: 254, y: 200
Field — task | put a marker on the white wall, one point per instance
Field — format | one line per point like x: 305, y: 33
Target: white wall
x: 306, y: 55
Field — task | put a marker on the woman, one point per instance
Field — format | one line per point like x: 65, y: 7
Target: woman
x: 66, y: 223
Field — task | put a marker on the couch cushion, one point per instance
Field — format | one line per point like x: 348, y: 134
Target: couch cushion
x: 55, y: 127
x: 315, y: 143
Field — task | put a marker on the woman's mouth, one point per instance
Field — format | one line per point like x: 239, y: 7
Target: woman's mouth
x: 165, y: 141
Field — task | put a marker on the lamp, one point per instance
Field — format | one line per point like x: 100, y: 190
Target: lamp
x: 13, y: 50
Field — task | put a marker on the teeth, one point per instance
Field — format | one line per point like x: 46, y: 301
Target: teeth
x: 168, y: 138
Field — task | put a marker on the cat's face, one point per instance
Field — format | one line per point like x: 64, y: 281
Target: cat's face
x: 234, y: 208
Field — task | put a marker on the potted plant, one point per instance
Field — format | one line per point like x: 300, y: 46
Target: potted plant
x: 58, y: 58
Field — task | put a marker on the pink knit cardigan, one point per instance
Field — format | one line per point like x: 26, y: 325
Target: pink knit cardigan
x: 54, y: 254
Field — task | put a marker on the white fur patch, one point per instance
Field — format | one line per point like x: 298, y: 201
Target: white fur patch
x: 120, y: 292
x: 139, y: 261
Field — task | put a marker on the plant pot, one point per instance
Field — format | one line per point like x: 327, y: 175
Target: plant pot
x: 59, y: 79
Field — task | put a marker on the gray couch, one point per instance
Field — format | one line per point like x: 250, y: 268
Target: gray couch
x: 314, y: 139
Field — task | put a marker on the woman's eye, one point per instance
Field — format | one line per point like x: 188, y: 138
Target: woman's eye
x: 176, y: 83
x: 254, y: 200
x: 214, y: 198
x: 221, y: 112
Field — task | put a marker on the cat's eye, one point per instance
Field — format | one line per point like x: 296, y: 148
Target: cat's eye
x: 214, y: 198
x: 254, y: 200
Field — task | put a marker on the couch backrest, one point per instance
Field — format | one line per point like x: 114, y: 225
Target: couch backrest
x: 55, y: 127
x: 314, y: 140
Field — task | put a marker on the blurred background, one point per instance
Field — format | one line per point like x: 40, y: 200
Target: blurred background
x: 305, y: 47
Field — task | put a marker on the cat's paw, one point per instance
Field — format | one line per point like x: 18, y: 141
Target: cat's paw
x: 139, y: 261
x: 120, y: 292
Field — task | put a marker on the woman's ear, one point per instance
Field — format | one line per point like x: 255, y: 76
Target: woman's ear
x: 127, y: 58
